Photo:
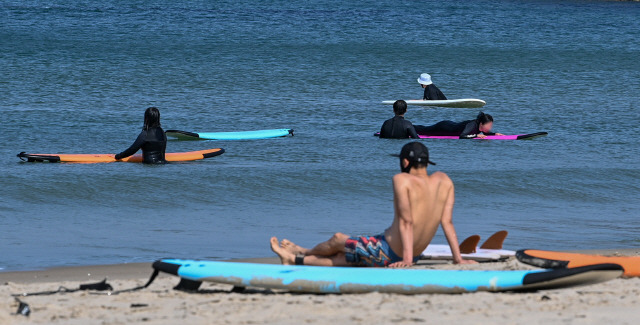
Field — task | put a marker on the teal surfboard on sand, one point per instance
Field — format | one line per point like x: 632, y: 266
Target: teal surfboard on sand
x: 318, y: 279
x: 239, y: 135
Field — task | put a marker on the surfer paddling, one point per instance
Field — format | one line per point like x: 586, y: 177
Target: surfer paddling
x: 478, y: 128
x: 421, y: 202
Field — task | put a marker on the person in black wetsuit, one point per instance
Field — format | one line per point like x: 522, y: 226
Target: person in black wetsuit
x: 397, y: 127
x: 478, y: 128
x: 431, y: 92
x: 151, y: 140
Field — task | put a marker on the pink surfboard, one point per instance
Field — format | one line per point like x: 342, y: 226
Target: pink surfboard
x: 489, y: 137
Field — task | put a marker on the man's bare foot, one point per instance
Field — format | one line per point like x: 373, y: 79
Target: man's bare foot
x: 286, y: 257
x: 292, y: 248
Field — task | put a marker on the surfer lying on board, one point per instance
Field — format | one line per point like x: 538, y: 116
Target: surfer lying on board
x: 478, y: 128
x: 421, y: 203
x: 151, y: 140
x: 397, y: 127
x: 431, y: 92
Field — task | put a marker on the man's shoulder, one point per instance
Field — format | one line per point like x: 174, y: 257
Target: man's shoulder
x: 403, y: 179
x: 401, y: 176
x: 389, y: 120
x: 439, y: 176
x: 442, y: 177
x: 406, y: 180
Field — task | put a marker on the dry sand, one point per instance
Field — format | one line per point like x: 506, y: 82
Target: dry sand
x: 613, y: 302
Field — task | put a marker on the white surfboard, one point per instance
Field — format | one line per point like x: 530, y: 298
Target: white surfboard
x: 437, y: 252
x: 443, y: 252
x: 491, y: 249
x: 453, y: 103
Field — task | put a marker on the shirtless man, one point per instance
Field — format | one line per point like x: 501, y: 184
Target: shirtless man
x: 421, y: 203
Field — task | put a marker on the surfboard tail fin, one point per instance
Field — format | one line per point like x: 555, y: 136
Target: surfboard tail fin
x: 496, y: 240
x: 469, y: 245
x: 187, y: 285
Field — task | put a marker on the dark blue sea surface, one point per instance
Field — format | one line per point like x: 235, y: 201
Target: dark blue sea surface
x: 76, y: 77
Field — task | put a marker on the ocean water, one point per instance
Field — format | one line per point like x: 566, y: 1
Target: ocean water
x: 76, y: 77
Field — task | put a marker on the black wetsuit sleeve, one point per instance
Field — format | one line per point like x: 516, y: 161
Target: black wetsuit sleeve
x: 470, y: 130
x: 134, y: 147
x: 411, y: 131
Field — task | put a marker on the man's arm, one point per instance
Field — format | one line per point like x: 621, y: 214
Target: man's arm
x: 449, y: 231
x: 405, y: 219
x: 412, y: 131
x: 383, y: 130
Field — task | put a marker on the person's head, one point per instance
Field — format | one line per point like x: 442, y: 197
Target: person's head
x: 425, y: 80
x: 485, y: 122
x: 414, y: 155
x: 151, y: 118
x: 400, y: 107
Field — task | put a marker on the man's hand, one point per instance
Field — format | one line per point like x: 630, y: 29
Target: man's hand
x: 481, y: 136
x: 400, y: 264
x: 499, y: 134
x: 463, y: 261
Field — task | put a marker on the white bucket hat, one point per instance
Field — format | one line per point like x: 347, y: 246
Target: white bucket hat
x: 425, y: 79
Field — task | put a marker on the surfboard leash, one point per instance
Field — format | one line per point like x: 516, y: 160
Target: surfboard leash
x: 98, y: 286
x: 111, y: 293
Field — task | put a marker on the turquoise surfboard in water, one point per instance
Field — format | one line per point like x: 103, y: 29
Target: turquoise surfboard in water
x: 318, y: 279
x: 239, y: 135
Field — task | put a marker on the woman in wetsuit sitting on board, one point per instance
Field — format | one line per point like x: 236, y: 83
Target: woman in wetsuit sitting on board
x: 478, y: 128
x: 151, y: 140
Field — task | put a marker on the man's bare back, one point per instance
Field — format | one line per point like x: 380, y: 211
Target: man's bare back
x: 421, y: 203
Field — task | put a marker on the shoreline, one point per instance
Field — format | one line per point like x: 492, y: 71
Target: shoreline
x: 613, y: 301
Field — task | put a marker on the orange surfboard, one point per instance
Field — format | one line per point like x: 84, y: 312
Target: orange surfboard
x: 107, y: 158
x: 554, y: 260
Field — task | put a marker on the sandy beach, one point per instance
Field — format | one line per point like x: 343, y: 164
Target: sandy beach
x: 78, y: 77
x: 615, y: 301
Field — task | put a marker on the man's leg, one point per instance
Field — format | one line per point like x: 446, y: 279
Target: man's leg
x: 333, y: 246
x: 335, y: 259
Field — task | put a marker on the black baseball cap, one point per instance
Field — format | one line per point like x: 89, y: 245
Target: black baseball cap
x: 415, y: 152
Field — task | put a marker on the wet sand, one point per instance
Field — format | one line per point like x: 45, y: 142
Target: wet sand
x: 614, y: 301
